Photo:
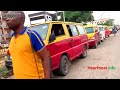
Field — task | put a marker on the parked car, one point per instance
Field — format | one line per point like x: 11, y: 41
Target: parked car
x: 102, y: 32
x: 107, y: 31
x: 93, y: 35
x: 64, y: 41
x: 110, y: 29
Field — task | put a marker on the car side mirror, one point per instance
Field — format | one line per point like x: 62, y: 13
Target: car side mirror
x: 52, y: 37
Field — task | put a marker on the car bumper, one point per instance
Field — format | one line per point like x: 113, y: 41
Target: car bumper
x: 92, y: 42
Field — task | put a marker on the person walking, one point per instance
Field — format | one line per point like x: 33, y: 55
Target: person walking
x: 114, y: 31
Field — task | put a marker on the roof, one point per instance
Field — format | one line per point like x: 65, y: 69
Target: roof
x: 90, y: 25
x: 56, y: 22
x: 100, y: 25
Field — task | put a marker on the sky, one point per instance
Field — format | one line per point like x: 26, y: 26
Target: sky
x: 97, y: 15
x: 107, y: 14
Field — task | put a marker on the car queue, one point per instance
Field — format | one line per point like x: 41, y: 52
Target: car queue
x: 66, y: 41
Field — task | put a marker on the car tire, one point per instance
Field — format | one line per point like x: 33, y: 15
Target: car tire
x: 64, y: 65
x: 84, y: 54
x: 99, y: 42
x: 96, y: 45
x: 102, y: 40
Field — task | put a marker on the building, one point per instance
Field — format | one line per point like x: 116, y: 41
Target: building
x: 101, y: 21
x: 5, y: 33
x: 46, y: 16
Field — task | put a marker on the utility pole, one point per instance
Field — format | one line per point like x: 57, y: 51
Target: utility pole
x: 64, y: 16
x: 45, y: 15
x: 56, y: 16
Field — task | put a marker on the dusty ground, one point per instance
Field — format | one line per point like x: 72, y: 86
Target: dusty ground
x: 107, y: 54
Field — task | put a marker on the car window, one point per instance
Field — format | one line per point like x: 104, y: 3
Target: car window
x: 72, y: 30
x: 89, y: 30
x: 81, y: 29
x: 42, y: 29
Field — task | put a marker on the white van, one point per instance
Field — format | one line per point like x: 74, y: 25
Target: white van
x: 102, y: 32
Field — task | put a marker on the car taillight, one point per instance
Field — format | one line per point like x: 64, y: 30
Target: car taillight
x: 8, y: 53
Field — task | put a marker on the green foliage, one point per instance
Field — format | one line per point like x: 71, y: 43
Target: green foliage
x: 3, y: 71
x: 108, y: 23
x: 78, y: 16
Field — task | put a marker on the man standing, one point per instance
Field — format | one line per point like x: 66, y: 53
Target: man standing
x: 29, y: 57
x: 114, y: 31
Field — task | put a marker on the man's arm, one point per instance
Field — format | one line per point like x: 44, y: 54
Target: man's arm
x: 46, y: 62
x: 41, y: 50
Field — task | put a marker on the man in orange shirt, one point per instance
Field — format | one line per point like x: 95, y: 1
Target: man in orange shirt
x: 30, y: 58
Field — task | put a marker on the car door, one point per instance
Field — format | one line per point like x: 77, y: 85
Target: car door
x: 82, y: 36
x: 74, y: 40
x: 59, y: 45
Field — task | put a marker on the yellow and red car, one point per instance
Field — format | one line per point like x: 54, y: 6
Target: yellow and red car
x: 107, y: 31
x: 110, y: 29
x: 93, y: 35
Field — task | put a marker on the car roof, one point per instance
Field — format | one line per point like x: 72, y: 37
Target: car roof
x: 57, y: 22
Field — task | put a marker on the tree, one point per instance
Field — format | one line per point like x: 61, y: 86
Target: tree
x: 78, y: 16
x: 109, y: 23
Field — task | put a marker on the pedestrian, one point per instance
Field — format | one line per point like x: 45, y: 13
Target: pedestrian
x: 30, y: 58
x: 114, y: 31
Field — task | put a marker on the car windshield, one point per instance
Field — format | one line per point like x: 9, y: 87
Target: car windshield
x: 101, y: 28
x: 89, y: 30
x: 42, y: 29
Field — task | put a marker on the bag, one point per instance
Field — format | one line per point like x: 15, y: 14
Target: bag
x: 51, y: 73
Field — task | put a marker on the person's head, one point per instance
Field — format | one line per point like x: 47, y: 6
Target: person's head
x: 15, y: 19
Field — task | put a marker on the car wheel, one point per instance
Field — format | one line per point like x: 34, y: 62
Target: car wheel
x: 64, y: 65
x: 99, y: 42
x: 102, y: 40
x: 96, y: 45
x: 84, y: 54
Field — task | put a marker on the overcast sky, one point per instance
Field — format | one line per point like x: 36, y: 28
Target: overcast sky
x: 97, y: 15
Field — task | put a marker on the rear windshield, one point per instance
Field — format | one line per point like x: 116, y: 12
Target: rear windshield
x: 89, y: 30
x: 42, y: 29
